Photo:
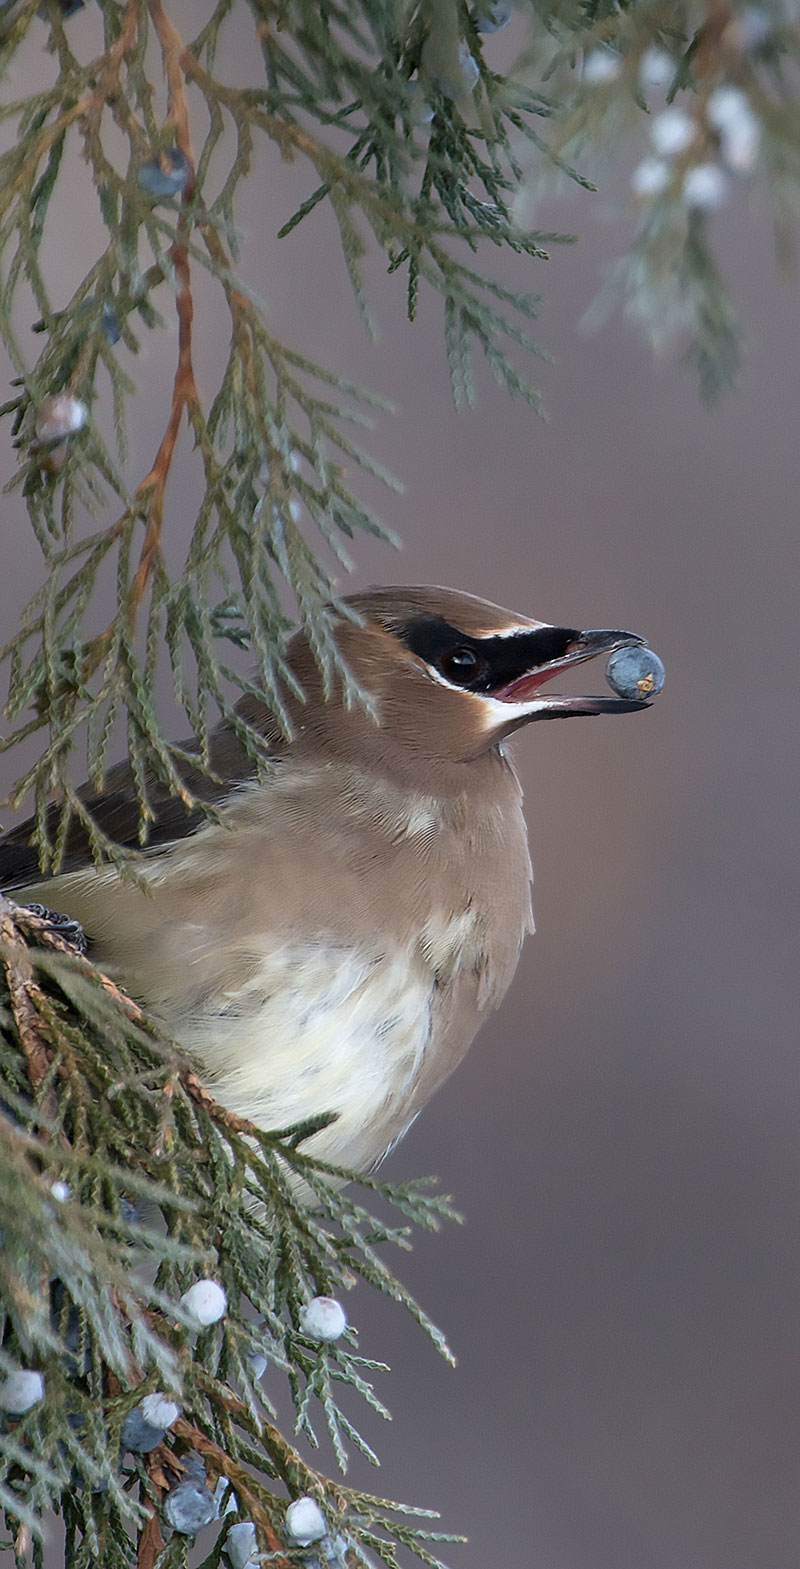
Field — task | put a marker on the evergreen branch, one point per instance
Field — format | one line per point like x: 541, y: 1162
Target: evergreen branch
x: 111, y: 1148
x: 118, y: 1113
x: 250, y: 428
x: 185, y: 396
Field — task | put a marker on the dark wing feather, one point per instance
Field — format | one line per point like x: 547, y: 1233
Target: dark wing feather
x: 115, y: 809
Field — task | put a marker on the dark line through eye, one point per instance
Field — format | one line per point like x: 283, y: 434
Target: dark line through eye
x: 502, y: 659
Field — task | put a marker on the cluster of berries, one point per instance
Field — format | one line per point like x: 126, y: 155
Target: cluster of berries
x: 190, y: 1504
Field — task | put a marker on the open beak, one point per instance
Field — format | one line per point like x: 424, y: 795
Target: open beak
x: 581, y: 646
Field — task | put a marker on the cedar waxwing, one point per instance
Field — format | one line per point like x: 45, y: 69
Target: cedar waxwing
x: 335, y: 940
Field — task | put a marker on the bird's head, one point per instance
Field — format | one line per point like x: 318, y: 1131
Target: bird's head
x: 451, y: 675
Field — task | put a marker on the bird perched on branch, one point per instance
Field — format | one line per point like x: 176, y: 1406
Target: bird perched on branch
x: 334, y: 940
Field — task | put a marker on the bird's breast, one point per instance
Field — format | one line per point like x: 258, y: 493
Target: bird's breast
x: 322, y: 1026
x: 329, y: 950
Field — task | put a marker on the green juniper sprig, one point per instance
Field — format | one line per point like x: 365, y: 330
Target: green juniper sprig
x: 157, y: 1248
x: 165, y: 1264
x: 429, y: 168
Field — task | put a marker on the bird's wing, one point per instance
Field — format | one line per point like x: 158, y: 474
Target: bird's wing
x: 116, y: 810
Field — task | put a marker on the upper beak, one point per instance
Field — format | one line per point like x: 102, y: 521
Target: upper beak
x: 583, y: 645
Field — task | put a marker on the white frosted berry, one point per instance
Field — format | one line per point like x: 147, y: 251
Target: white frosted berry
x: 225, y: 1498
x: 188, y: 1507
x: 729, y: 113
x: 205, y: 1303
x: 420, y: 111
x: 650, y: 177
x: 323, y: 1318
x: 492, y: 15
x: 600, y: 65
x: 21, y: 1390
x: 257, y: 1364
x: 60, y: 416
x: 740, y: 145
x: 672, y: 132
x: 705, y: 187
x: 240, y: 1544
x: 159, y: 1409
x: 468, y: 71
x: 335, y: 1552
x: 60, y: 1191
x: 305, y: 1521
x: 726, y: 105
x: 144, y: 1427
x: 455, y: 76
x: 656, y: 68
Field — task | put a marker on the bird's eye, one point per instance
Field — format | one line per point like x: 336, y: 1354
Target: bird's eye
x: 461, y: 665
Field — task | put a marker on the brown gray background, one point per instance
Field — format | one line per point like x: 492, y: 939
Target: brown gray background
x: 624, y: 1297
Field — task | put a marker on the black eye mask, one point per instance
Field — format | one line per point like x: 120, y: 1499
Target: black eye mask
x: 498, y: 661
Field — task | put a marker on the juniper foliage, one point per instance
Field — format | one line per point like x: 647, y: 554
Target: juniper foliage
x: 342, y: 91
x: 705, y: 95
x: 121, y: 1181
x: 421, y: 150
x: 121, y: 1184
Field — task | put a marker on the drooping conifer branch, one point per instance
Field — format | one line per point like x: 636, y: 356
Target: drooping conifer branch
x: 111, y: 1148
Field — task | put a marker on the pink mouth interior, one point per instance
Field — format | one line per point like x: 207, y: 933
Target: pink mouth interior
x: 527, y: 685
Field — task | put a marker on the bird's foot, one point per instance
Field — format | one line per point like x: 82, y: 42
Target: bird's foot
x: 63, y: 926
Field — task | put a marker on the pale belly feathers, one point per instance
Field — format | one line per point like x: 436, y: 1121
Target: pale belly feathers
x: 319, y: 1027
x: 350, y: 978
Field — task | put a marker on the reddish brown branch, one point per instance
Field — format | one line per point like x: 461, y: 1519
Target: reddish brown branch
x: 24, y: 920
x: 116, y: 54
x: 238, y: 1476
x: 185, y: 396
x: 710, y: 36
x: 201, y: 1097
x: 108, y: 66
x: 151, y: 1540
x: 23, y: 994
x: 173, y: 53
x: 16, y: 919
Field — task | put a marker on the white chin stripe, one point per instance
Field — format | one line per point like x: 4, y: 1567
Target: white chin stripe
x: 497, y: 713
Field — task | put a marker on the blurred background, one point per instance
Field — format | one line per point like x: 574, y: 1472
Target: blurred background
x: 624, y: 1297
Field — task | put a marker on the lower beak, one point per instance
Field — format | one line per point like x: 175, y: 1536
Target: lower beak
x: 584, y: 645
